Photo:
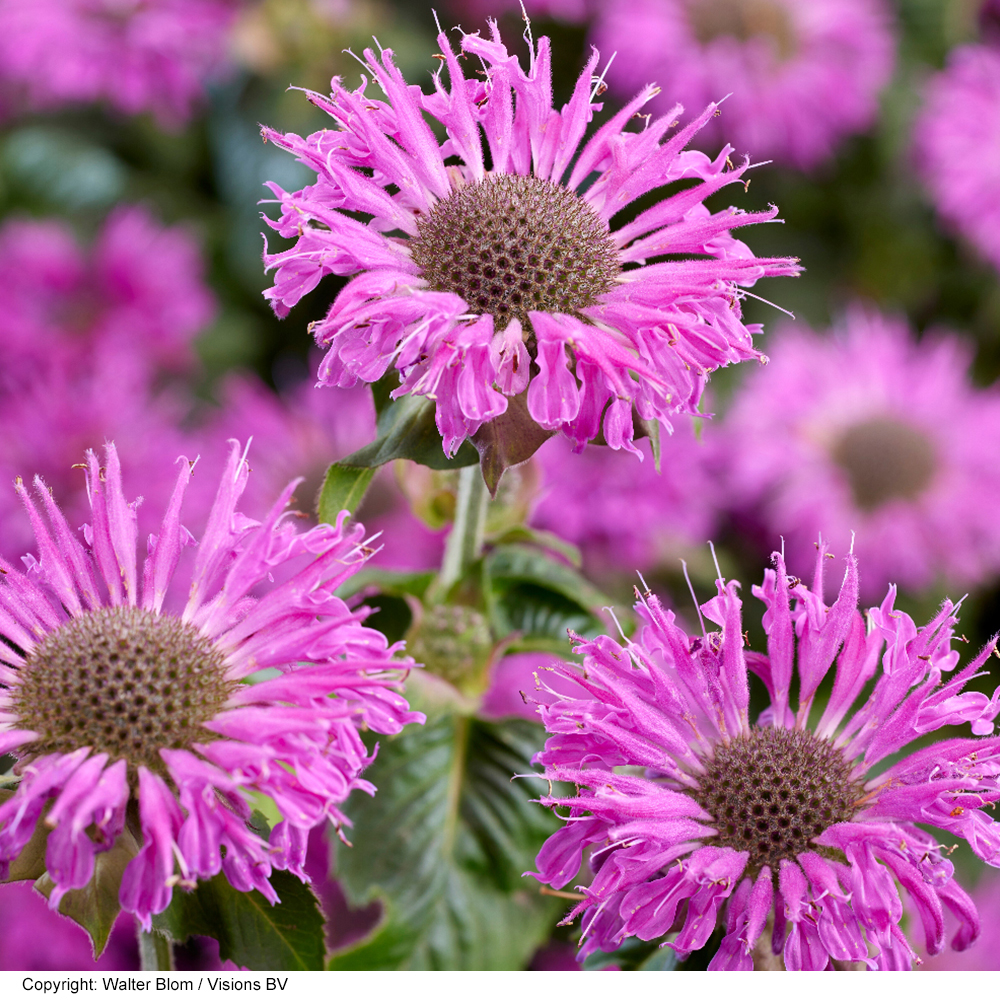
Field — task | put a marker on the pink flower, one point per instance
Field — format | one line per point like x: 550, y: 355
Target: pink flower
x: 35, y: 939
x: 871, y: 435
x: 139, y: 288
x: 801, y: 74
x: 160, y: 735
x: 622, y: 513
x: 695, y: 818
x: 955, y: 138
x: 474, y: 279
x: 138, y: 55
x: 298, y: 434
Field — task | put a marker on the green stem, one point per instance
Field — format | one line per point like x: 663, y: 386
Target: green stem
x: 465, y: 543
x: 156, y: 953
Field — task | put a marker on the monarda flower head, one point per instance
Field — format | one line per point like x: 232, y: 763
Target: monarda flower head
x: 871, y: 434
x: 954, y: 136
x: 794, y: 832
x: 130, y: 703
x: 481, y: 267
x: 801, y: 74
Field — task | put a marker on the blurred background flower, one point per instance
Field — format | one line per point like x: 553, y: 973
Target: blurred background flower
x: 131, y: 306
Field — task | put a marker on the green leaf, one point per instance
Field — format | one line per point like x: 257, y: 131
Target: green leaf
x: 508, y: 440
x: 343, y: 489
x: 540, y: 539
x: 30, y: 863
x: 536, y: 613
x: 521, y: 562
x: 250, y: 931
x: 406, y: 429
x: 443, y: 845
x: 387, y: 581
x: 95, y: 907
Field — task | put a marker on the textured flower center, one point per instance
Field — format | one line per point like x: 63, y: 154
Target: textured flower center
x: 743, y: 19
x: 885, y: 459
x: 511, y: 244
x: 772, y: 792
x: 123, y: 681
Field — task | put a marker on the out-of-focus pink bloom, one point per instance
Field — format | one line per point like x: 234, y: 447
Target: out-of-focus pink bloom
x: 35, y: 939
x: 73, y: 402
x: 298, y: 434
x: 984, y: 954
x: 956, y: 137
x: 176, y: 735
x: 519, y: 683
x: 139, y: 288
x: 622, y: 513
x: 792, y: 837
x: 800, y: 74
x: 504, y: 272
x: 137, y: 55
x: 871, y: 435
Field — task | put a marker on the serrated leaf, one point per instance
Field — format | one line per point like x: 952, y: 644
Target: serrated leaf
x: 537, y: 613
x: 95, y: 907
x: 343, y: 489
x: 508, y: 440
x: 406, y: 429
x: 541, y: 539
x: 251, y: 932
x: 30, y: 863
x: 521, y: 562
x: 444, y: 843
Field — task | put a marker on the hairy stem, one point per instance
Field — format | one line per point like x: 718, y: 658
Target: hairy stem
x: 156, y: 953
x: 465, y: 543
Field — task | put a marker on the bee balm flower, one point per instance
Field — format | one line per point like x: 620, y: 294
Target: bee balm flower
x: 129, y: 703
x: 475, y: 278
x: 809, y: 821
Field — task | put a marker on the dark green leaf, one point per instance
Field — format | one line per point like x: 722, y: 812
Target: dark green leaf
x: 444, y: 843
x: 541, y: 539
x: 387, y: 581
x: 538, y: 613
x: 521, y: 562
x: 406, y: 429
x: 508, y: 440
x: 95, y: 907
x: 343, y: 489
x: 250, y: 931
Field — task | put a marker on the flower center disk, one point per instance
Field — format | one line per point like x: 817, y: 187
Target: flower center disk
x: 510, y: 244
x: 123, y: 681
x: 772, y: 792
x: 885, y: 459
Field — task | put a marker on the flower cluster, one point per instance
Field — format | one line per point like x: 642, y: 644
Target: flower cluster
x: 138, y: 55
x: 87, y: 338
x: 133, y: 705
x: 800, y: 74
x: 802, y: 824
x: 621, y: 512
x: 500, y: 274
x: 873, y: 435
